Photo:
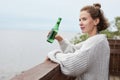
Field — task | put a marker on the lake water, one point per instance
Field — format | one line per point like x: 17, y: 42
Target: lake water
x: 21, y: 50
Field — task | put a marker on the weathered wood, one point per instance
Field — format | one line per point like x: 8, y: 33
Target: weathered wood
x: 114, y: 67
x: 37, y: 72
x: 45, y: 71
x: 114, y: 40
x: 114, y: 44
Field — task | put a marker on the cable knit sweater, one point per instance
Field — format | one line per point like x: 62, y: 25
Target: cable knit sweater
x: 88, y: 60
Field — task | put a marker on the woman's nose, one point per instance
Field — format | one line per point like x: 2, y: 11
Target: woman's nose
x: 80, y: 23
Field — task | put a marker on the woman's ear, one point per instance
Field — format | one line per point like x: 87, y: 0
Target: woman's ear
x: 96, y: 21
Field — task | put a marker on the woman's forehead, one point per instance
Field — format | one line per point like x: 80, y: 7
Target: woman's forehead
x: 84, y: 14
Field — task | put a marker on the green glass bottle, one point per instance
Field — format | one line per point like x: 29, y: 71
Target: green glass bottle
x: 54, y: 31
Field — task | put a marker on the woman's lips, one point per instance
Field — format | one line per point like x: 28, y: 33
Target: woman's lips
x: 82, y: 28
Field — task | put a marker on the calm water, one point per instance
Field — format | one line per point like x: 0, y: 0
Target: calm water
x: 22, y: 50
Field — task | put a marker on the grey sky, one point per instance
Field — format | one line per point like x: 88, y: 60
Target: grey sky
x: 42, y: 14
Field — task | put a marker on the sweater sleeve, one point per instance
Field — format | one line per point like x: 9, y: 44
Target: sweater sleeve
x: 71, y: 64
x: 67, y: 47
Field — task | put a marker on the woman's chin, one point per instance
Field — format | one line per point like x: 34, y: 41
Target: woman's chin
x: 83, y: 32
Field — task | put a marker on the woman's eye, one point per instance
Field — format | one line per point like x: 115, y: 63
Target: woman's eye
x: 84, y: 19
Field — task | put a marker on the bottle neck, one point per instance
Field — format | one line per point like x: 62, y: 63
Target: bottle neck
x: 56, y: 27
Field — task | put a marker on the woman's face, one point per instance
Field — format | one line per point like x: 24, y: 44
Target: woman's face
x: 87, y: 23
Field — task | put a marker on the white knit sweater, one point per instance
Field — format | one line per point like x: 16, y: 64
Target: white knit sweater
x: 88, y: 60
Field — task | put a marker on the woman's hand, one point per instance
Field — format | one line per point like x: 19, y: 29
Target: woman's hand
x: 58, y: 38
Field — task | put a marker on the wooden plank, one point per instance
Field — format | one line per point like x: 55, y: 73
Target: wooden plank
x: 45, y: 71
x: 115, y: 51
x: 114, y: 67
x: 113, y: 41
x: 37, y: 72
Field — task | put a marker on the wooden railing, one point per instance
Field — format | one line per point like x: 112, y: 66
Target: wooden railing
x: 44, y: 71
x: 114, y: 67
x: 51, y: 71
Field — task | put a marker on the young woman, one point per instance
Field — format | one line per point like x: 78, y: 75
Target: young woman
x: 88, y: 60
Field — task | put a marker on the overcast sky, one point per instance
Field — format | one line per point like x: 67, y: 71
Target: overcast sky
x: 42, y: 14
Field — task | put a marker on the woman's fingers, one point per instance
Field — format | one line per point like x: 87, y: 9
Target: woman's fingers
x: 58, y: 37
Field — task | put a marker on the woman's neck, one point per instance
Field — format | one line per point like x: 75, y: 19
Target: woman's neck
x: 93, y: 32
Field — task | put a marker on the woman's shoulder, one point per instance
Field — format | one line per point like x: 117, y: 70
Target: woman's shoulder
x: 96, y: 39
x: 95, y: 42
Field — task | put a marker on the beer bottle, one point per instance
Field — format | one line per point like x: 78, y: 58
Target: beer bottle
x: 54, y: 31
